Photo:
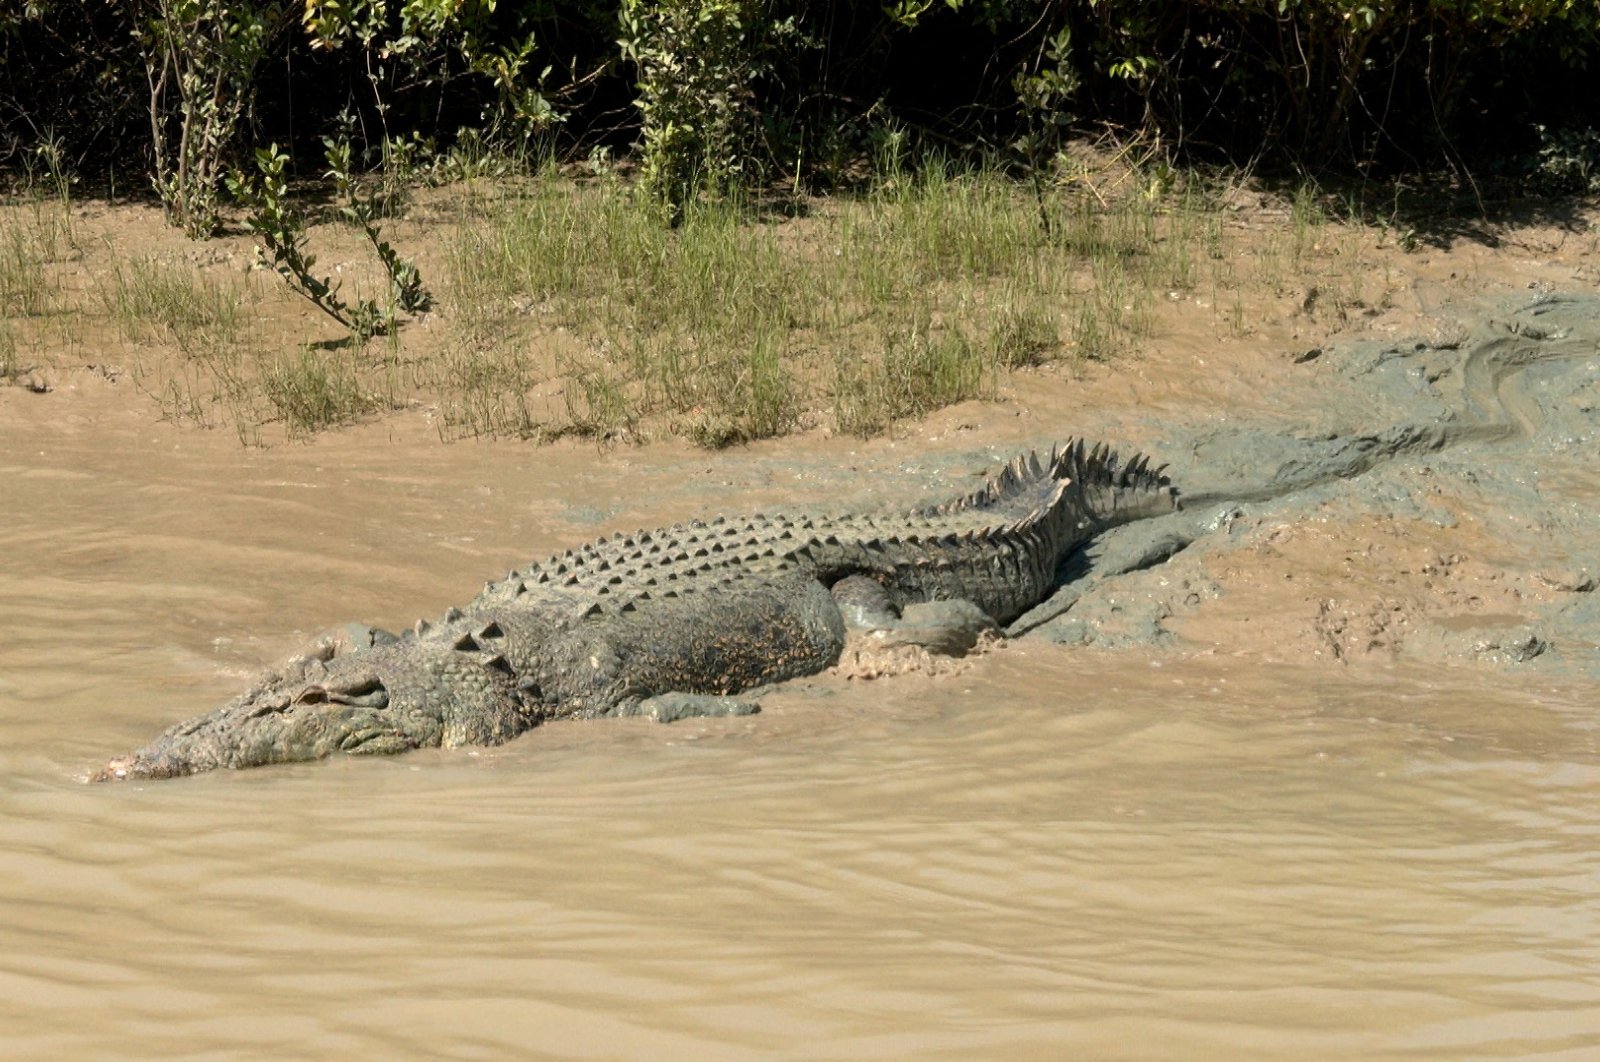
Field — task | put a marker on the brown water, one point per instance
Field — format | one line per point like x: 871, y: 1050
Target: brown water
x: 1125, y: 854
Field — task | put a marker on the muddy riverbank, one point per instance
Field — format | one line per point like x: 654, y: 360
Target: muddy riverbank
x: 1312, y: 766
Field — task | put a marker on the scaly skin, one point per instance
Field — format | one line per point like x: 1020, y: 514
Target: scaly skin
x: 706, y: 610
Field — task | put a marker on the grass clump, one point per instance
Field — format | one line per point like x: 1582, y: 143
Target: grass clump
x: 310, y: 390
x: 686, y: 322
x: 32, y: 239
x: 721, y: 324
x: 487, y: 388
x: 915, y: 375
x: 148, y: 301
x: 600, y: 404
x: 10, y: 366
x: 1023, y: 335
x: 152, y: 304
x: 755, y: 399
x: 935, y: 226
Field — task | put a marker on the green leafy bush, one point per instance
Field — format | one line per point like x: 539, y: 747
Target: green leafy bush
x: 282, y: 232
x: 695, y: 60
x: 1568, y: 161
x: 200, y: 57
x: 717, y: 95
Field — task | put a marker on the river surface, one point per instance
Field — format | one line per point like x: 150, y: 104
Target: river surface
x: 1126, y: 854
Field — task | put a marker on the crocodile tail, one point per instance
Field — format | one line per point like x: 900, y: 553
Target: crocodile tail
x: 1082, y: 489
x: 1101, y: 489
x: 1025, y: 484
x: 1029, y: 488
x: 1100, y: 465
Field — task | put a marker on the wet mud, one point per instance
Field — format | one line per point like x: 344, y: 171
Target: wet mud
x: 1467, y: 523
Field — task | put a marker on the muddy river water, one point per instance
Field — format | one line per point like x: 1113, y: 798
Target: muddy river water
x: 1212, y: 844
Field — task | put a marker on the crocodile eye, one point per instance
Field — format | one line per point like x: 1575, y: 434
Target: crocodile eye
x: 364, y: 693
x: 368, y: 693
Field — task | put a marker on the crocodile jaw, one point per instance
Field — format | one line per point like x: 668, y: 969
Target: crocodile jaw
x: 237, y: 737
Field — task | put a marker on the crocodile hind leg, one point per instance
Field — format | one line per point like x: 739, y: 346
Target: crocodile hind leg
x: 864, y: 603
x: 671, y: 707
x: 947, y: 628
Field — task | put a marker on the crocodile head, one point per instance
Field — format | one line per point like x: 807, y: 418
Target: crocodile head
x: 384, y: 699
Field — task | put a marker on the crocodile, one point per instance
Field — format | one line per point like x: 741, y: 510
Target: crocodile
x: 667, y: 623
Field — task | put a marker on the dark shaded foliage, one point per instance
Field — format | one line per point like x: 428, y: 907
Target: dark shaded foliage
x: 1329, y: 86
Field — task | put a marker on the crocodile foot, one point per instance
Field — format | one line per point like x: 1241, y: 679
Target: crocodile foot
x: 671, y: 707
x: 944, y: 628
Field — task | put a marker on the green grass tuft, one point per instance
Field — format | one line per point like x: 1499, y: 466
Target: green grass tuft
x: 148, y: 301
x: 10, y: 366
x: 32, y: 239
x: 311, y: 390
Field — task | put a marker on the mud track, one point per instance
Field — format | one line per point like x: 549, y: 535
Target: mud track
x: 1465, y: 528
